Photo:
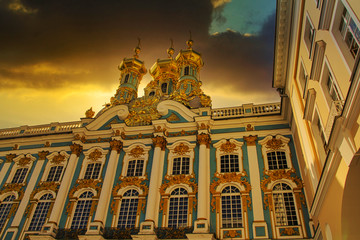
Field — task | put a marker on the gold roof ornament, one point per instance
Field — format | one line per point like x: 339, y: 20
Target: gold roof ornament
x: 137, y: 49
x: 190, y: 42
x: 170, y: 51
x: 89, y: 113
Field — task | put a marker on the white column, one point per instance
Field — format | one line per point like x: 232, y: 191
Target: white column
x: 147, y: 227
x: 7, y: 164
x: 105, y: 195
x: 257, y: 200
x: 202, y: 223
x: 64, y: 186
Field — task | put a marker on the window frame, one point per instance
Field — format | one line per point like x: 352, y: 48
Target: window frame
x: 221, y: 206
x: 137, y: 151
x: 21, y: 164
x: 181, y: 149
x: 229, y: 147
x: 327, y: 74
x: 54, y: 162
x: 309, y: 38
x: 14, y: 202
x: 188, y: 206
x: 98, y: 159
x: 35, y: 203
x: 284, y: 146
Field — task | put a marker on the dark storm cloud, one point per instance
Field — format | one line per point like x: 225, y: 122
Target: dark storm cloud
x: 91, y: 35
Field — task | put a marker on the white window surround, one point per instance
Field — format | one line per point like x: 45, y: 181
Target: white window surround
x: 226, y: 147
x: 118, y: 200
x: 93, y: 155
x: 20, y: 163
x: 35, y: 201
x: 55, y: 159
x: 181, y: 149
x: 136, y: 151
x: 282, y: 147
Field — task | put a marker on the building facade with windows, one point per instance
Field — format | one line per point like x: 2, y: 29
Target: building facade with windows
x: 169, y: 166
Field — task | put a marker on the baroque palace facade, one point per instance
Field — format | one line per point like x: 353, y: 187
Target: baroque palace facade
x: 169, y: 166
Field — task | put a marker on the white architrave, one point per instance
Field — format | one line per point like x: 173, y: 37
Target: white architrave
x: 53, y: 162
x: 282, y: 146
x: 88, y: 160
x: 181, y: 149
x: 225, y: 147
x: 136, y: 151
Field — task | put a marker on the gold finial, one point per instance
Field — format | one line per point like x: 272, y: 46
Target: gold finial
x: 89, y: 113
x: 171, y: 50
x: 190, y: 42
x: 137, y: 50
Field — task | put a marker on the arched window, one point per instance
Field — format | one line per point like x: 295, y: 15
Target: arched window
x: 92, y: 171
x: 135, y: 168
x: 128, y: 209
x: 5, y: 208
x: 284, y: 205
x: 277, y: 160
x: 178, y: 208
x: 54, y: 174
x: 82, y: 211
x: 229, y: 163
x: 181, y: 165
x: 186, y: 70
x: 231, y: 215
x: 164, y: 87
x: 20, y: 175
x: 41, y: 212
x: 126, y: 79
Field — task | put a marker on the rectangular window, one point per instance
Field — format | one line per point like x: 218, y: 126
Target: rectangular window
x: 309, y: 35
x: 349, y: 32
x: 20, y: 175
x: 277, y: 160
x: 332, y: 89
x: 181, y: 165
x: 303, y: 77
x: 92, y: 171
x: 54, y: 174
x: 229, y: 163
x: 135, y: 168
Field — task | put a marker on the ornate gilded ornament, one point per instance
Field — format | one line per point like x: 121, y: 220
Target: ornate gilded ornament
x: 249, y: 127
x: 181, y: 149
x: 173, y: 118
x: 95, y: 155
x: 228, y: 147
x: 43, y: 154
x: 16, y: 147
x: 159, y: 141
x: 182, y: 133
x: 89, y: 113
x: 24, y: 161
x: 13, y: 187
x: 142, y: 112
x: 86, y: 183
x: 171, y: 180
x: 289, y: 231
x: 250, y: 140
x: 10, y: 157
x: 274, y: 144
x: 137, y: 152
x: 273, y: 175
x: 57, y: 159
x: 116, y: 145
x: 76, y: 149
x: 232, y: 234
x: 52, y: 186
x: 204, y: 139
x: 47, y: 144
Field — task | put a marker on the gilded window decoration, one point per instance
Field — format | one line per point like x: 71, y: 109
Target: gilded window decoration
x: 136, y: 186
x: 135, y: 160
x: 181, y: 158
x: 55, y: 167
x: 8, y: 207
x: 93, y: 163
x: 10, y: 157
x: 42, y: 209
x: 283, y: 197
x: 231, y: 201
x: 21, y: 169
x: 170, y: 184
x: 229, y: 156
x: 276, y: 152
x: 43, y: 154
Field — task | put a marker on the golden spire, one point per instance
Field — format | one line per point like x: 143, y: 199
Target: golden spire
x: 190, y: 42
x: 170, y: 51
x: 137, y: 50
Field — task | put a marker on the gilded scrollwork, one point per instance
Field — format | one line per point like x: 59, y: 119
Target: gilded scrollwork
x: 171, y: 180
x: 173, y: 118
x: 24, y: 161
x: 274, y: 144
x: 14, y: 187
x: 57, y: 159
x: 86, y: 183
x: 181, y: 149
x: 273, y: 175
x: 228, y: 147
x: 204, y: 139
x: 43, y: 154
x: 137, y: 152
x: 250, y: 140
x: 76, y: 149
x: 116, y: 145
x: 10, y: 157
x: 142, y: 111
x: 268, y: 203
x: 289, y: 232
x: 42, y: 186
x: 231, y: 234
x: 159, y: 141
x: 182, y: 133
x: 95, y: 155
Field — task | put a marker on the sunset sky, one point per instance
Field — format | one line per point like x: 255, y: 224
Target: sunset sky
x: 59, y: 58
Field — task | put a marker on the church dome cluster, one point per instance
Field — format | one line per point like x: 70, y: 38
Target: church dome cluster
x: 175, y: 79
